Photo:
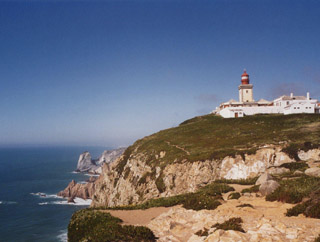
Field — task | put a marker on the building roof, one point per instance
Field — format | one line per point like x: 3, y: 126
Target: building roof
x: 284, y: 97
x: 263, y: 101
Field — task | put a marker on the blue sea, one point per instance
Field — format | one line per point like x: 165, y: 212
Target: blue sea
x: 24, y: 172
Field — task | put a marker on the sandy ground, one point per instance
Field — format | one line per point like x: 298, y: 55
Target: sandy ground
x: 138, y: 217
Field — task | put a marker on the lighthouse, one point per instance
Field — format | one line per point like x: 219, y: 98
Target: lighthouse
x: 245, y: 89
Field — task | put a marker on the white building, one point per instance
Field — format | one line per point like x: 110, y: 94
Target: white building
x: 282, y: 105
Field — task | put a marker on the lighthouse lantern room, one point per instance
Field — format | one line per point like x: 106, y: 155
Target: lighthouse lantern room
x: 245, y: 89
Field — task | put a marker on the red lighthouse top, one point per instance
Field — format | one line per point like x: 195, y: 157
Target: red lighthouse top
x: 245, y: 78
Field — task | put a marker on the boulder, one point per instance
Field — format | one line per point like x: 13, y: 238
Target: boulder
x: 277, y: 170
x: 263, y: 178
x: 297, y: 172
x: 268, y: 187
x: 315, y: 171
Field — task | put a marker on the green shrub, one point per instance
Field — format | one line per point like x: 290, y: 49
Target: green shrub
x: 313, y: 210
x: 95, y: 226
x: 231, y: 224
x: 204, y: 232
x: 234, y: 195
x: 160, y: 184
x: 297, y: 209
x: 294, y: 190
x: 201, y: 201
x: 252, y: 189
x: 293, y: 166
x: 248, y: 181
x: 245, y: 205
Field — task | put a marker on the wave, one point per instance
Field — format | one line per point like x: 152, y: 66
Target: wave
x: 77, y: 202
x: 88, y: 174
x: 8, y: 202
x: 45, y: 203
x: 63, y: 237
x: 45, y: 195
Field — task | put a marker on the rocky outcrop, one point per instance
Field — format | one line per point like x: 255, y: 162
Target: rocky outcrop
x: 108, y: 156
x: 135, y: 180
x: 74, y: 189
x: 87, y: 164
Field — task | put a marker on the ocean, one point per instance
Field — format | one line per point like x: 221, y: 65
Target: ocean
x: 30, y: 178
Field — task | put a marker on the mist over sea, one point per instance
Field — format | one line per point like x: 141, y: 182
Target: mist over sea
x: 26, y: 215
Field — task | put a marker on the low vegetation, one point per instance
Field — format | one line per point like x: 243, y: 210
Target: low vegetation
x: 204, y: 232
x: 248, y: 181
x: 245, y: 205
x: 212, y: 137
x: 253, y: 189
x: 234, y: 195
x: 205, y: 198
x: 310, y: 208
x: 231, y: 224
x: 95, y: 226
x: 294, y: 190
x: 295, y: 166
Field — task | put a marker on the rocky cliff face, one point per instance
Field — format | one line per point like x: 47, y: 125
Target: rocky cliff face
x: 87, y: 164
x: 134, y: 181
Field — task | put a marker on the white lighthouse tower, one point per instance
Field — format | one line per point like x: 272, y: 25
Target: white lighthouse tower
x: 245, y: 89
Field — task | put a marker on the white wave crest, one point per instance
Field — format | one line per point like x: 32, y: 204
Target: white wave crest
x: 45, y: 203
x: 45, y: 195
x: 8, y: 202
x: 63, y: 237
x: 77, y: 202
x: 87, y: 174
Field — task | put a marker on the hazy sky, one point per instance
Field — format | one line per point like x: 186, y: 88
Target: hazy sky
x: 110, y: 72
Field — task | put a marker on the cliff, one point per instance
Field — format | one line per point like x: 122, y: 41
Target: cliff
x: 203, y: 149
x: 87, y: 164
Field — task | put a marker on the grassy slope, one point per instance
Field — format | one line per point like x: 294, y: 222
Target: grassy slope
x: 212, y: 137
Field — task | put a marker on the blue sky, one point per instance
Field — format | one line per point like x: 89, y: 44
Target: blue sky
x: 110, y: 72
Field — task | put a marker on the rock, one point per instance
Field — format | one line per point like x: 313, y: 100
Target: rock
x: 297, y: 172
x: 313, y: 154
x: 74, y: 189
x: 108, y: 156
x: 71, y: 200
x: 277, y: 170
x: 86, y: 164
x: 268, y: 187
x: 263, y: 178
x: 291, y: 233
x: 315, y: 171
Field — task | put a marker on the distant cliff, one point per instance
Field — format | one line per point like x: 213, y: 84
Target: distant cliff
x: 87, y: 164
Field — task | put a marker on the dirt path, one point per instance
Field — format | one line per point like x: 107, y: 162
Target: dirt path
x: 138, y: 217
x: 178, y: 147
